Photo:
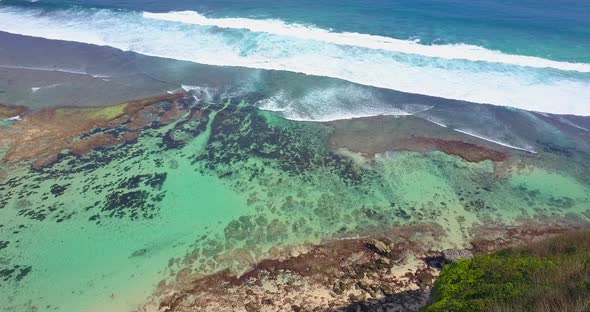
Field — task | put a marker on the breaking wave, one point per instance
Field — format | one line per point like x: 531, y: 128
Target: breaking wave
x: 459, y: 71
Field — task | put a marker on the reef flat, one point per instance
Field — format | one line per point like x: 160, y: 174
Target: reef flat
x: 188, y: 200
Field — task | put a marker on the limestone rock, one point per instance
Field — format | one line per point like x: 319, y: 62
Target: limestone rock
x: 379, y: 247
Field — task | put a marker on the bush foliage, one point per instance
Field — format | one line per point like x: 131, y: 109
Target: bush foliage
x: 551, y: 275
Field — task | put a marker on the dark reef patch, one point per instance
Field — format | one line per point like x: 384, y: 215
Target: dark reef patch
x: 34, y: 214
x: 187, y: 129
x: 155, y: 181
x: 58, y: 190
x: 132, y: 204
x: 135, y: 197
x: 238, y: 133
x: 15, y: 273
x: 553, y: 148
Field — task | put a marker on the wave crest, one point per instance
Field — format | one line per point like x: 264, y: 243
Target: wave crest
x: 448, y: 51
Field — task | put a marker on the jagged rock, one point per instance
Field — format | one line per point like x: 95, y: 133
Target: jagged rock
x: 438, y: 261
x: 357, y: 298
x: 373, y: 291
x: 383, y: 263
x: 363, y: 286
x: 339, y: 288
x: 387, y: 290
x: 379, y: 247
x: 452, y: 255
x: 251, y: 307
x: 359, y: 275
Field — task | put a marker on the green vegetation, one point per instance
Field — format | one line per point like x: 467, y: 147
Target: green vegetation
x: 551, y: 275
x: 107, y: 113
x: 101, y: 113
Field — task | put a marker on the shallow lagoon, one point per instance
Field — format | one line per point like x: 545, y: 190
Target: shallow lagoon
x: 226, y: 185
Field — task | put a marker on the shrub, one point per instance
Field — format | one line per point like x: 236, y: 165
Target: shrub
x: 551, y: 275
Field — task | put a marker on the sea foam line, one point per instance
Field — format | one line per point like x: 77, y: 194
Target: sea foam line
x: 35, y: 89
x: 479, y: 136
x: 60, y: 70
x: 448, y: 51
x: 14, y: 118
x: 570, y: 123
x: 434, y: 122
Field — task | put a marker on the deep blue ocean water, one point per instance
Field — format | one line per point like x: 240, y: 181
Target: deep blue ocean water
x: 558, y: 29
x: 526, y: 54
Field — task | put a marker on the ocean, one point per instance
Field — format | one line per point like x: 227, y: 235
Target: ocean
x: 532, y: 55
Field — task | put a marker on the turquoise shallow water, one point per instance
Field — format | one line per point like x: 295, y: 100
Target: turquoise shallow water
x: 224, y: 186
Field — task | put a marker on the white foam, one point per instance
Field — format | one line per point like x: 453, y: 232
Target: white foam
x: 570, y: 123
x: 335, y: 103
x: 449, y: 51
x: 272, y: 103
x: 55, y: 69
x: 440, y: 124
x: 35, y: 89
x: 454, y: 72
x: 14, y: 118
x: 200, y: 93
x: 485, y: 138
x: 188, y: 88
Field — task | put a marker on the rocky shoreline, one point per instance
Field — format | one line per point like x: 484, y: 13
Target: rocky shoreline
x: 392, y: 273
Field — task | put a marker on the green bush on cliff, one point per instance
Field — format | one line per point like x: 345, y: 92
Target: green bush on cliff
x: 552, y: 275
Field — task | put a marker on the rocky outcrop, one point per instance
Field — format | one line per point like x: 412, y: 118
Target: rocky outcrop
x: 376, y: 135
x: 395, y: 272
x: 452, y: 255
x: 11, y: 111
x: 41, y: 135
x: 337, y: 275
